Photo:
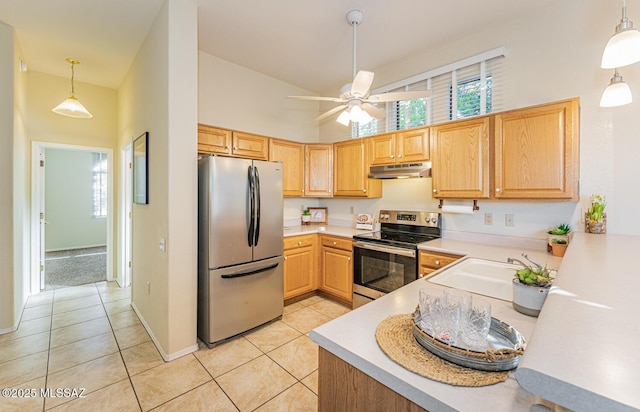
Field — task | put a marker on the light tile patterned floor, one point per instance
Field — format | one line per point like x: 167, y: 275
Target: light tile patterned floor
x: 89, y: 337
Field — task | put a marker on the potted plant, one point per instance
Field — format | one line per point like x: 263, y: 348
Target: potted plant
x: 559, y: 247
x: 306, y: 217
x: 562, y: 231
x: 531, y: 286
x: 595, y: 218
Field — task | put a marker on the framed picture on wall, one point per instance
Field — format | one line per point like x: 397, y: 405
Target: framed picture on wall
x: 318, y: 214
x: 141, y: 169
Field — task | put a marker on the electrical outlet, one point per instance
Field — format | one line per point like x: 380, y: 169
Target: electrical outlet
x: 488, y: 218
x: 148, y: 287
x: 508, y: 219
x: 352, y: 209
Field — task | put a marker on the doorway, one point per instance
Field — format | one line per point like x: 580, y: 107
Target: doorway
x: 72, y: 215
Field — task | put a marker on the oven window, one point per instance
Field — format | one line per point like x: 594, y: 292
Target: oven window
x: 383, y: 271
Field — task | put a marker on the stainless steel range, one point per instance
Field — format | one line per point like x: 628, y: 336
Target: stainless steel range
x: 388, y: 259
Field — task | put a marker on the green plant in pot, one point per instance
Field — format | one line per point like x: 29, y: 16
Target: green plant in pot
x: 531, y: 286
x: 562, y: 231
x: 595, y: 218
x: 559, y: 247
x: 306, y: 217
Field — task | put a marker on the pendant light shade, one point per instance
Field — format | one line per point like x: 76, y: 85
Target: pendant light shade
x: 617, y: 93
x: 71, y: 106
x: 623, y: 48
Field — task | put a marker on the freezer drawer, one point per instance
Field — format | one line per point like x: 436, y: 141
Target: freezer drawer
x: 236, y: 299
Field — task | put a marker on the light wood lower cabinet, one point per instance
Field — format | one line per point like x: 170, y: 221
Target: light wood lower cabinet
x: 300, y: 265
x: 336, y: 267
x: 429, y: 261
x: 343, y: 387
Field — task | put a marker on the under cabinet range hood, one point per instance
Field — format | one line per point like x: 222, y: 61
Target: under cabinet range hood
x: 400, y: 171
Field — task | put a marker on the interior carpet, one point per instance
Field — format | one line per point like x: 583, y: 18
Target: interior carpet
x: 75, y: 267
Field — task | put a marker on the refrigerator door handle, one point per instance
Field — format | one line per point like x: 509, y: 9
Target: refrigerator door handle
x: 257, y: 186
x: 252, y: 208
x: 249, y: 273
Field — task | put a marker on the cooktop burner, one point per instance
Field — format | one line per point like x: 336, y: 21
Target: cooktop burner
x: 405, y: 229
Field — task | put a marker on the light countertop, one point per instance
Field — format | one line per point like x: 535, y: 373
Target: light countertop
x: 322, y: 229
x: 581, y: 353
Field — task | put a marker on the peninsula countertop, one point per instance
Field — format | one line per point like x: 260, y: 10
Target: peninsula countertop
x: 580, y: 351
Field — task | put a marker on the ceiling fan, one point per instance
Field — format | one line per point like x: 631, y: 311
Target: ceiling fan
x: 356, y: 102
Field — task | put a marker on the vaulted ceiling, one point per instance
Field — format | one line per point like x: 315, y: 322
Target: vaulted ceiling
x: 304, y: 43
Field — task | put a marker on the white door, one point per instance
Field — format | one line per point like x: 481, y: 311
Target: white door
x: 124, y: 274
x: 43, y: 222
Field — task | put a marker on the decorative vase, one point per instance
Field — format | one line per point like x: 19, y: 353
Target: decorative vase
x: 528, y: 299
x: 558, y: 249
x: 306, y: 219
x: 594, y: 226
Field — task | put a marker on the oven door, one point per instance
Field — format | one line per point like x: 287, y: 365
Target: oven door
x: 381, y: 267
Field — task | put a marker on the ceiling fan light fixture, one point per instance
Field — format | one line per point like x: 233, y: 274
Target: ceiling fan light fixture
x: 617, y: 93
x: 344, y: 119
x: 623, y: 48
x: 71, y: 106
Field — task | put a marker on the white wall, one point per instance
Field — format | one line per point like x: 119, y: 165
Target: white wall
x: 234, y: 97
x: 69, y: 201
x: 159, y: 95
x: 551, y: 55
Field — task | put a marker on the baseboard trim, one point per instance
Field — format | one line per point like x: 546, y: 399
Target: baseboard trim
x: 168, y: 357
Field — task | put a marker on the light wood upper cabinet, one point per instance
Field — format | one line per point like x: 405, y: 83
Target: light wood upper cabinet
x: 350, y: 170
x: 461, y: 159
x: 537, y: 152
x: 291, y: 155
x: 214, y: 140
x: 401, y: 147
x: 250, y: 146
x: 300, y: 265
x: 318, y: 166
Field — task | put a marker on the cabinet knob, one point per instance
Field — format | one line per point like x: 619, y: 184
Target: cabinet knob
x: 300, y: 242
x: 226, y: 147
x: 435, y: 190
x: 364, y: 190
x: 392, y: 156
x: 497, y: 190
x: 421, y: 275
x: 285, y: 258
x: 235, y: 148
x: 349, y: 259
x: 334, y: 243
x: 399, y: 156
x: 437, y: 262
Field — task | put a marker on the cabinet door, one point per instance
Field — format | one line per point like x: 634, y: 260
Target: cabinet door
x: 461, y: 159
x: 299, y: 271
x: 250, y: 146
x: 412, y: 146
x: 382, y: 149
x: 337, y: 273
x: 350, y: 170
x: 318, y: 177
x: 213, y: 140
x: 537, y: 153
x: 291, y: 155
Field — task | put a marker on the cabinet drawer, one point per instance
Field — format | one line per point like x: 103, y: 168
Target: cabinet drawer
x: 337, y: 242
x: 298, y: 241
x: 437, y: 260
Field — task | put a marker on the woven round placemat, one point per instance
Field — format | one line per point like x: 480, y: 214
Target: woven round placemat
x: 395, y: 337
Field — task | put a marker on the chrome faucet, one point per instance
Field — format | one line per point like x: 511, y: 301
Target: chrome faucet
x: 524, y: 255
x: 512, y: 260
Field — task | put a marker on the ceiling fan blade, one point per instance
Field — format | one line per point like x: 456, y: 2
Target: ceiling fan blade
x: 317, y: 98
x: 330, y: 112
x: 395, y: 96
x: 373, y: 111
x: 361, y: 83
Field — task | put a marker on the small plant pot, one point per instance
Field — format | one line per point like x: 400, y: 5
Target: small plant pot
x: 528, y: 299
x: 306, y: 219
x: 551, y: 237
x: 592, y: 226
x: 558, y: 249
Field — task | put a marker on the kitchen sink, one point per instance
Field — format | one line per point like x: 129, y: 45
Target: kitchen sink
x: 481, y: 276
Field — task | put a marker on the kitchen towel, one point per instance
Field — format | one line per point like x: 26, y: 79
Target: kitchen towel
x: 460, y: 209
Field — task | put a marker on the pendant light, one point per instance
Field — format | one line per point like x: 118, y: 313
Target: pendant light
x: 617, y: 93
x: 623, y: 47
x: 72, y: 107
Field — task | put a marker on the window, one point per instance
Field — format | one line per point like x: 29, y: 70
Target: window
x: 99, y: 184
x: 477, y: 82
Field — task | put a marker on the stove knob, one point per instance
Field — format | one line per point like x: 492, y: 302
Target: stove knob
x: 434, y: 220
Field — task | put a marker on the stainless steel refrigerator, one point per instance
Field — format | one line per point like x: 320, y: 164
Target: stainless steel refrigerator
x: 240, y: 263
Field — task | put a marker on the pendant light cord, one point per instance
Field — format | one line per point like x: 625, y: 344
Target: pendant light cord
x: 355, y: 25
x: 73, y: 91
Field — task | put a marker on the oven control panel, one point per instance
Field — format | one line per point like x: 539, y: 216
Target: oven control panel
x: 431, y: 219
